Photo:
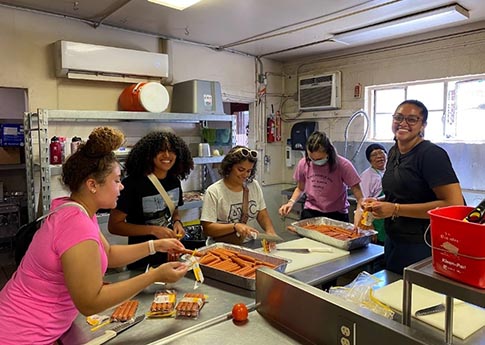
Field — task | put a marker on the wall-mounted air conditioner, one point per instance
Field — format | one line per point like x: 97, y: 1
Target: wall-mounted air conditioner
x: 88, y: 61
x: 319, y: 92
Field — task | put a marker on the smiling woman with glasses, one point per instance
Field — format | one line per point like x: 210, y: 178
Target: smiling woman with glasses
x: 410, y: 120
x: 227, y: 215
x: 419, y: 177
x: 324, y: 177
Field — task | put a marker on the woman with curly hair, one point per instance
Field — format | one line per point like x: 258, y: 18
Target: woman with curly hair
x: 62, y: 272
x: 141, y: 212
x: 223, y: 200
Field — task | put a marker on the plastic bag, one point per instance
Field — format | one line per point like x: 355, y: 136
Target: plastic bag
x: 359, y: 291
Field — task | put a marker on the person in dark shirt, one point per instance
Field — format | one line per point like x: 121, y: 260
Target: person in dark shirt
x: 419, y: 177
x: 141, y: 212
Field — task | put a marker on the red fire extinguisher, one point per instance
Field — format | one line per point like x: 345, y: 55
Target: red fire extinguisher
x: 270, y: 130
x: 278, y: 126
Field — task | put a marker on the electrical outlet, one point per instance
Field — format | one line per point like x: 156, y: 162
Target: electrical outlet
x: 346, y: 331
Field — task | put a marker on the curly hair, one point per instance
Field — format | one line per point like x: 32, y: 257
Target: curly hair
x: 93, y: 159
x: 235, y: 156
x: 319, y: 141
x: 140, y: 158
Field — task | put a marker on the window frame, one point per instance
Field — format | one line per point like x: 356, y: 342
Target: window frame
x: 371, y: 106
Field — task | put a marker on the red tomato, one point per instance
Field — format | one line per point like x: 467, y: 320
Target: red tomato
x: 240, y: 312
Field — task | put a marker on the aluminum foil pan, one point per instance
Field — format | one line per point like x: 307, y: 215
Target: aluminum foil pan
x: 363, y: 240
x: 233, y: 279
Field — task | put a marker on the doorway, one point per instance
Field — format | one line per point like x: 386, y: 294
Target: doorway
x: 241, y: 111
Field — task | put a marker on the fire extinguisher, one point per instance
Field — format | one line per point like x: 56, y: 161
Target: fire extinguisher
x: 270, y: 130
x: 278, y: 126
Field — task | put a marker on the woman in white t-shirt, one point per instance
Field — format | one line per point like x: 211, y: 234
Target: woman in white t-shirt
x: 222, y: 211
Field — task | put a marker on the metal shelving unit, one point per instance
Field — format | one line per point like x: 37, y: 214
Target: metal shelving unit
x: 38, y: 123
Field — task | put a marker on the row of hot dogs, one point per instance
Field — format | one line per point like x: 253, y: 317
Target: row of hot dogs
x: 233, y: 261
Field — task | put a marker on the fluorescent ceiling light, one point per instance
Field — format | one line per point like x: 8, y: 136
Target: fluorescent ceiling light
x: 404, y: 25
x: 177, y: 4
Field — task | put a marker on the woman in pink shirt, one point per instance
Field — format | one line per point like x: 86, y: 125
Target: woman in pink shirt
x: 62, y: 272
x: 324, y: 177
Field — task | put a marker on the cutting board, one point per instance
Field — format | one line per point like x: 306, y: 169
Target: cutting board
x: 304, y: 260
x: 467, y: 318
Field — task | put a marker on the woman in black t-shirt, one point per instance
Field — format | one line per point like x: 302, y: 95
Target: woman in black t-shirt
x: 141, y: 212
x: 419, y: 177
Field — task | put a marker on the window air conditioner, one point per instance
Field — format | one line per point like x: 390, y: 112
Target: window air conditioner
x: 93, y: 62
x: 321, y: 92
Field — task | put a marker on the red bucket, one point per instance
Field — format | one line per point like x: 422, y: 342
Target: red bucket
x: 151, y: 96
x: 458, y: 247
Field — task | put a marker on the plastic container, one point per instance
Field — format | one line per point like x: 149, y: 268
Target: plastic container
x: 151, y: 96
x: 458, y: 246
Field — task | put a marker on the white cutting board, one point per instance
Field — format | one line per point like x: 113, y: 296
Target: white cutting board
x: 304, y: 260
x: 467, y: 318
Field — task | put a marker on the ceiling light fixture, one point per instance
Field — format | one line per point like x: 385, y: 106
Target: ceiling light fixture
x: 404, y: 25
x: 177, y: 4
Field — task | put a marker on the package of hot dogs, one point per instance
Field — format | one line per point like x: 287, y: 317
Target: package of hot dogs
x: 189, y: 305
x: 163, y: 304
x: 125, y: 311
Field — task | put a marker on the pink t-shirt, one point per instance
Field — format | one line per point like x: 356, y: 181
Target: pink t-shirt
x: 35, y: 305
x: 326, y: 190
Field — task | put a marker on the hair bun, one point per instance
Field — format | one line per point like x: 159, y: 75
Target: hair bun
x: 103, y: 140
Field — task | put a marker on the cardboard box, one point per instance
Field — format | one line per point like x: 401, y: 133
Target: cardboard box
x: 9, y: 155
x: 11, y: 134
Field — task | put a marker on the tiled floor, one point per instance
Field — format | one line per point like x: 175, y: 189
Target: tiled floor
x: 7, y: 264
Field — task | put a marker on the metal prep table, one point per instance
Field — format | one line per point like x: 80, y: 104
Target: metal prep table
x: 221, y: 299
x: 422, y: 274
x: 291, y: 312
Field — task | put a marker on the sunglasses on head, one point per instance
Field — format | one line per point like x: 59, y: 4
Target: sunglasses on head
x: 247, y: 152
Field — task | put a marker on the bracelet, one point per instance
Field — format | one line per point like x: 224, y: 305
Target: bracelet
x: 151, y: 247
x: 292, y: 201
x: 177, y: 220
x: 395, y: 213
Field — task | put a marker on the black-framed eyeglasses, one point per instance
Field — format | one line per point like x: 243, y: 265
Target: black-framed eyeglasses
x: 410, y: 120
x: 247, y: 152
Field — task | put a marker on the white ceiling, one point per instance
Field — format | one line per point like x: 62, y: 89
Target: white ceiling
x: 278, y: 29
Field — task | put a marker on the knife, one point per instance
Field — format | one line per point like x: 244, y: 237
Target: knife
x: 267, y: 237
x: 438, y: 308
x: 307, y: 250
x: 111, y: 333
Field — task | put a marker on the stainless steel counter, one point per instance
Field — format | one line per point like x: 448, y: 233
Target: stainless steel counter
x: 222, y: 297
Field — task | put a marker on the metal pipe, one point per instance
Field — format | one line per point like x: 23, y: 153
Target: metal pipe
x: 346, y: 132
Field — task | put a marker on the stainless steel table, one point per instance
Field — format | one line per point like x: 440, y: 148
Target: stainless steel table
x: 221, y: 298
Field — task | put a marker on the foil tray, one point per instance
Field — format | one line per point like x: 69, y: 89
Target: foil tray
x: 233, y: 279
x: 363, y: 240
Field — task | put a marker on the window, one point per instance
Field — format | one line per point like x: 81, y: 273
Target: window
x: 456, y: 108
